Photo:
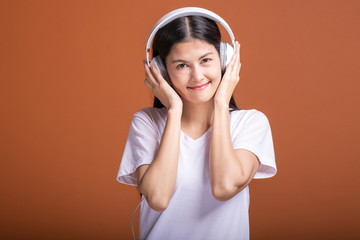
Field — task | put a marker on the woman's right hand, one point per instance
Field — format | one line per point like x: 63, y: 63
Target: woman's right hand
x: 157, y: 181
x: 161, y: 88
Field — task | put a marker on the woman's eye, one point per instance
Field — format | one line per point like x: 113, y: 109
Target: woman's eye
x: 205, y: 60
x: 182, y: 65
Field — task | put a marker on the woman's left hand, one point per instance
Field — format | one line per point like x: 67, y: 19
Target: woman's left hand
x: 230, y: 79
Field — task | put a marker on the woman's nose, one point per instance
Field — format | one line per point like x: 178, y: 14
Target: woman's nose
x: 196, y: 74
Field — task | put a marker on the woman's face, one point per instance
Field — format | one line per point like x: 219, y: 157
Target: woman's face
x: 194, y: 69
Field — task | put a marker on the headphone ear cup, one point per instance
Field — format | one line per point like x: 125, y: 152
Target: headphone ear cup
x: 158, y: 63
x: 226, y: 53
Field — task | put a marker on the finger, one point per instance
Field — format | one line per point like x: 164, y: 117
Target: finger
x: 149, y: 76
x: 239, y: 59
x: 239, y: 68
x: 157, y: 74
x: 237, y: 64
x: 146, y: 82
x: 230, y: 67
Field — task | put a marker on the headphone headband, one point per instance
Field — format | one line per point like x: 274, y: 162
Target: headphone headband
x: 183, y: 12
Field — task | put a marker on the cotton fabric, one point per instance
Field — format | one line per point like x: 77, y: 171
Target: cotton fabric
x: 193, y: 212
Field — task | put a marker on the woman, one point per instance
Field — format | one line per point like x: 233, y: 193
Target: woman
x: 194, y: 153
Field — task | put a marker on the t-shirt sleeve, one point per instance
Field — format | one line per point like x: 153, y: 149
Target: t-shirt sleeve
x: 253, y: 133
x: 141, y: 146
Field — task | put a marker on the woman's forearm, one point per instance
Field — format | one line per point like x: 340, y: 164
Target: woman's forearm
x: 157, y: 182
x: 230, y: 170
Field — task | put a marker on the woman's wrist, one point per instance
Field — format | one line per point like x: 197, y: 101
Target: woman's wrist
x: 175, y: 111
x: 221, y: 105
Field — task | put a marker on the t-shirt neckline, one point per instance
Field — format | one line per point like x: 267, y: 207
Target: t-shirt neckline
x: 190, y: 139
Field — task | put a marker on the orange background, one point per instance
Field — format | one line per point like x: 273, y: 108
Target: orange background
x: 71, y: 77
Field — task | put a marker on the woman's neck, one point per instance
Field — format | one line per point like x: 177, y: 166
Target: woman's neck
x: 197, y: 118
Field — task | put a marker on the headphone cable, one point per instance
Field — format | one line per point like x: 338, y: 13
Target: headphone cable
x: 132, y: 220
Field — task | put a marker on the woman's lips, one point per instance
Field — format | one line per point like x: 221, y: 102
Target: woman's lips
x: 200, y: 87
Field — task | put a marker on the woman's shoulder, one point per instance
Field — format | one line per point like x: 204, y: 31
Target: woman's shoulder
x: 151, y: 112
x: 154, y: 116
x: 247, y: 113
x: 248, y: 116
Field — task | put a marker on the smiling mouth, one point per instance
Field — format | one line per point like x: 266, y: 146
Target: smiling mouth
x: 200, y: 87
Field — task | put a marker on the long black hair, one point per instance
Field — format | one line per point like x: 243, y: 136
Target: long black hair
x: 180, y: 30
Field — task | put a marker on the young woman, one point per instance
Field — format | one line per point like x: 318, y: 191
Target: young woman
x: 194, y: 153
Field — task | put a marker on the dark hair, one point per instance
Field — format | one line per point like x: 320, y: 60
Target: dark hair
x: 180, y: 30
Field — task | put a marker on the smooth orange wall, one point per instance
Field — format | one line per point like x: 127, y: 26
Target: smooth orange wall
x: 71, y: 77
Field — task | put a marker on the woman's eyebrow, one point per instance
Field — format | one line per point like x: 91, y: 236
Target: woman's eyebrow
x: 206, y: 54
x: 184, y: 61
x: 178, y: 60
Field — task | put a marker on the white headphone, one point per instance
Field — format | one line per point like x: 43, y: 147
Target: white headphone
x: 226, y: 50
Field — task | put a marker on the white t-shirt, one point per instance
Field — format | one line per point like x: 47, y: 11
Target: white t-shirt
x: 193, y: 212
